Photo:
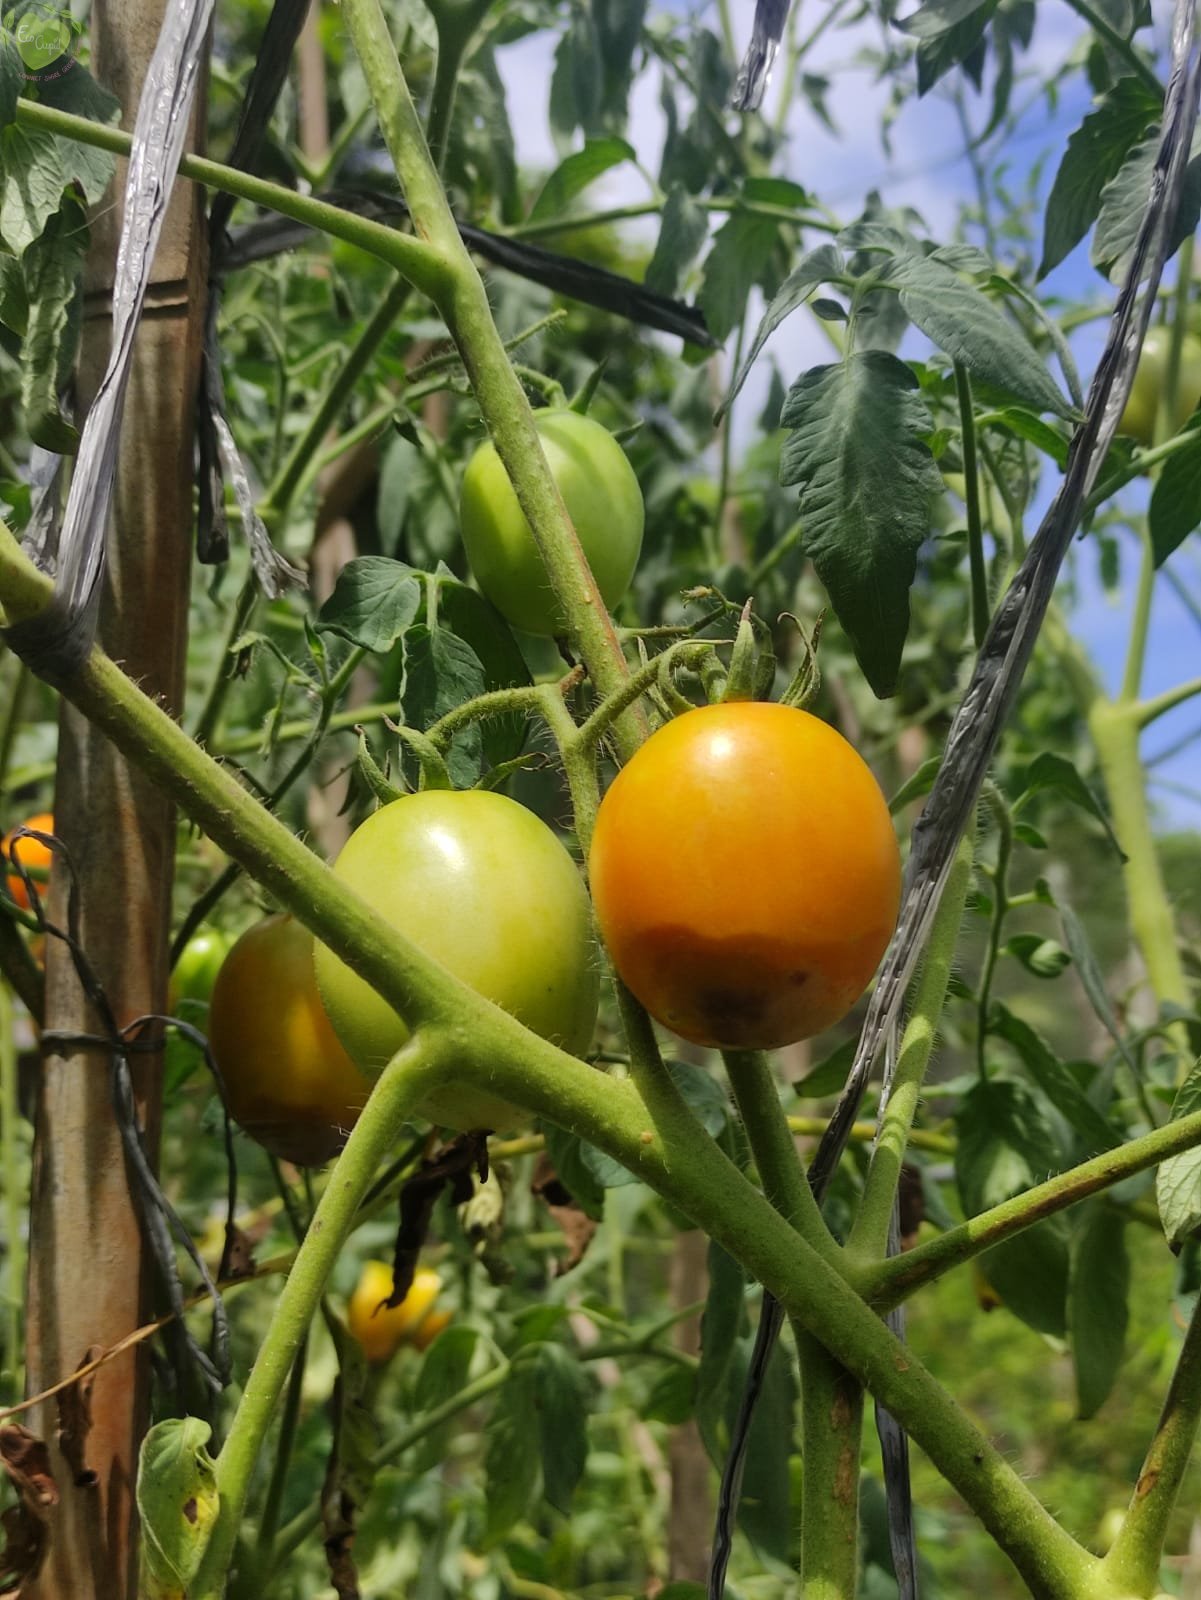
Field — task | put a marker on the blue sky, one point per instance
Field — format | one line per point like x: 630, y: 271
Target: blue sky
x: 925, y: 169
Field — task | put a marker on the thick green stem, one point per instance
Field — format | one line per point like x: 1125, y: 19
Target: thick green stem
x: 410, y: 256
x: 1134, y: 1560
x: 461, y: 298
x: 869, y: 1235
x: 1115, y: 730
x: 775, y: 1154
x: 892, y: 1281
x: 400, y: 1087
x: 832, y: 1416
x: 832, y: 1399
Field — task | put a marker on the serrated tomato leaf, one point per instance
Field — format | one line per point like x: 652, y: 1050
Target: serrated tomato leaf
x: 374, y: 601
x: 573, y: 175
x: 562, y: 1414
x: 1095, y: 154
x: 1178, y: 1183
x: 868, y: 484
x: 1176, y: 498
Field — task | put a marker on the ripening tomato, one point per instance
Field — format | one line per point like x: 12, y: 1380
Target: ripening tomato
x: 746, y: 875
x: 32, y: 854
x: 602, y: 498
x: 381, y: 1330
x: 289, y: 1082
x: 482, y: 885
x: 1138, y: 419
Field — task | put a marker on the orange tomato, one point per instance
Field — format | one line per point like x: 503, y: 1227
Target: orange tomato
x: 746, y: 875
x: 289, y: 1082
x: 32, y: 854
x: 381, y: 1330
x: 429, y: 1330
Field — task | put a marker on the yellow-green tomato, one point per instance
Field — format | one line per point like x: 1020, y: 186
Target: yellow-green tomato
x: 602, y: 498
x: 485, y: 888
x: 1138, y: 419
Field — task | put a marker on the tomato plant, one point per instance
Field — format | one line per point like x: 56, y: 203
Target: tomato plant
x: 381, y: 1329
x: 289, y: 1083
x: 1142, y: 408
x: 483, y: 886
x: 746, y: 875
x: 34, y: 855
x: 602, y: 497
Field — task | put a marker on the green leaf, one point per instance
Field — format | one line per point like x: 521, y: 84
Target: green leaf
x: 1051, y: 771
x: 1178, y: 1183
x: 1095, y: 154
x: 947, y: 46
x: 1176, y: 498
x: 1044, y: 958
x: 177, y: 1503
x: 721, y: 1325
x: 1004, y: 1145
x: 1031, y: 1272
x: 510, y: 1457
x: 939, y: 16
x: 576, y: 83
x: 1055, y: 1081
x: 374, y: 601
x: 1123, y: 202
x: 562, y: 1413
x: 1098, y: 1308
x: 830, y: 1076
x: 673, y: 1396
x: 441, y: 672
x: 478, y: 624
x: 572, y: 176
x: 683, y: 231
x: 742, y: 248
x: 868, y: 486
x: 815, y: 269
x: 575, y: 1173
x: 444, y: 1370
x: 965, y: 323
x: 52, y: 266
x: 1090, y: 975
x: 765, y: 1511
x: 31, y: 162
x: 12, y: 77
x: 703, y: 1093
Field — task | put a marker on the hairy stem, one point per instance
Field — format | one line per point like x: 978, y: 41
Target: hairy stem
x: 869, y: 1235
x: 399, y: 1088
x: 890, y: 1282
x: 1134, y: 1559
x: 832, y: 1417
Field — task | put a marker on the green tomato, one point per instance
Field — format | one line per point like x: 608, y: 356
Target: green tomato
x: 484, y: 887
x: 196, y: 971
x: 602, y: 498
x: 1138, y: 419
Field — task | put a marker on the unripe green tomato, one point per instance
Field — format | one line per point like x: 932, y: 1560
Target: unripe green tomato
x: 195, y: 973
x: 602, y: 498
x: 484, y: 887
x: 1138, y: 419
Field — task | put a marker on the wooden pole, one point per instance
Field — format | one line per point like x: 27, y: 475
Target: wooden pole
x: 88, y: 1269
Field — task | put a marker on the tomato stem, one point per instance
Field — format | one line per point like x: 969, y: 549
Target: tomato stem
x: 407, y: 1077
x: 1133, y: 1561
x: 869, y: 1234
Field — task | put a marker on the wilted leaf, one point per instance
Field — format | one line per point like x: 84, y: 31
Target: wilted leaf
x: 177, y: 1503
